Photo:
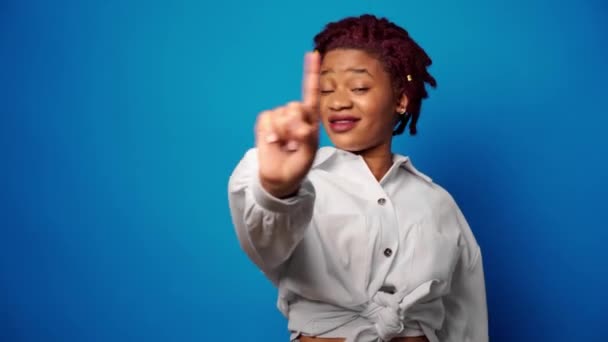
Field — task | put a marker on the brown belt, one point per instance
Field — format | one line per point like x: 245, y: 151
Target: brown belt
x: 396, y: 339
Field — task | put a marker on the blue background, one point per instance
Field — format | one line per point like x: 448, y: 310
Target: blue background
x: 122, y: 120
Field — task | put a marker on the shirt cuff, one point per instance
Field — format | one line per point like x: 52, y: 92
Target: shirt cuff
x: 275, y: 204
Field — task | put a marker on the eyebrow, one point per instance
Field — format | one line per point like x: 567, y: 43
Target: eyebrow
x: 353, y: 70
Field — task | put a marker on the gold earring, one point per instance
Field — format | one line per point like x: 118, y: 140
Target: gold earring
x: 402, y: 111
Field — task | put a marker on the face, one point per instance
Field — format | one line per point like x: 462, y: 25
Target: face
x: 358, y: 104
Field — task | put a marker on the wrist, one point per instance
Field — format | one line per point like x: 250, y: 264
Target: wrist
x: 280, y: 191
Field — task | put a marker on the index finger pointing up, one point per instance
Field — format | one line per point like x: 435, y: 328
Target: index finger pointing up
x: 310, y: 82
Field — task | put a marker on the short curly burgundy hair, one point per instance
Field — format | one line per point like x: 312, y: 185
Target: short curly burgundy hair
x: 402, y: 57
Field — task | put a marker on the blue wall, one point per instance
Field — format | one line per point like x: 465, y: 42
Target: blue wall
x: 122, y: 120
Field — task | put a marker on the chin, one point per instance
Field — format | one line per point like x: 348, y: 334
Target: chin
x: 349, y: 145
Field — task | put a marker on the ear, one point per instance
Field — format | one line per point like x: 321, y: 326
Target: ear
x: 402, y: 103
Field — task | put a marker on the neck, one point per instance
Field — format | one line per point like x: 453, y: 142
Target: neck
x: 379, y: 159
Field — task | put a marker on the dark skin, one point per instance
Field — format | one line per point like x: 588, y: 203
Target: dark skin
x: 353, y: 82
x: 287, y: 137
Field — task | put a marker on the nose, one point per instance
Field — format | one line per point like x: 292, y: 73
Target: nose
x: 339, y: 100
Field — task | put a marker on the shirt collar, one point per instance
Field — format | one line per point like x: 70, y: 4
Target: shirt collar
x: 325, y: 153
x: 406, y: 163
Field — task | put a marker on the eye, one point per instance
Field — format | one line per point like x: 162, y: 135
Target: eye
x: 326, y: 91
x: 360, y: 90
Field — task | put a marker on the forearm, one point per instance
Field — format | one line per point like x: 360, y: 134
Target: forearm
x: 268, y: 228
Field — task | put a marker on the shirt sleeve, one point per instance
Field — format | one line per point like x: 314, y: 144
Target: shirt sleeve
x: 268, y: 228
x: 466, y: 316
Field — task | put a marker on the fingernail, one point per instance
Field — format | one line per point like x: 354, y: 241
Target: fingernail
x: 271, y: 138
x: 292, y: 145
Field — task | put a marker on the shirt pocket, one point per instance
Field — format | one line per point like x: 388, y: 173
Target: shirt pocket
x: 434, y: 256
x: 347, y: 242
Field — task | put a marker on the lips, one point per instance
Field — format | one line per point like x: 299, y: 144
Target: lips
x: 342, y: 123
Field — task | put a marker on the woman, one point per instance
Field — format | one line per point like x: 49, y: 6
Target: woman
x: 361, y: 245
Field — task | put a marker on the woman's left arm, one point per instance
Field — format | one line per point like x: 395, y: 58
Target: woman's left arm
x: 466, y: 314
x: 466, y: 318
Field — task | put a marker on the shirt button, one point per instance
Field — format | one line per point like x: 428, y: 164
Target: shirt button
x: 388, y: 252
x: 381, y: 201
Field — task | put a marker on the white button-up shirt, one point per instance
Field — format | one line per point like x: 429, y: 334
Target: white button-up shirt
x: 361, y: 259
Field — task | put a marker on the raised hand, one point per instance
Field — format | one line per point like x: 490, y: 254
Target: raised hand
x: 287, y: 137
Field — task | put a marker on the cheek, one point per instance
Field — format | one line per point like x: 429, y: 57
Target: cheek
x: 323, y: 109
x: 378, y: 108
